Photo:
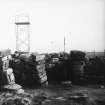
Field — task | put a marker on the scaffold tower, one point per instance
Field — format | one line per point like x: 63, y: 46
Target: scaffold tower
x: 22, y: 33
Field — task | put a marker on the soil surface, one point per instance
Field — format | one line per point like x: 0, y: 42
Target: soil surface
x: 55, y: 94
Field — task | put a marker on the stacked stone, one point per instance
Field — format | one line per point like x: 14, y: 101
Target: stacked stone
x: 6, y: 73
x: 29, y: 69
x: 40, y: 68
x: 7, y: 79
x: 76, y: 65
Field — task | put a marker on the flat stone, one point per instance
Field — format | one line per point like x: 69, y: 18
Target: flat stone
x: 78, y: 96
x: 20, y: 91
x: 12, y: 87
x: 60, y: 98
x: 102, y: 86
x: 67, y: 83
x: 47, y: 100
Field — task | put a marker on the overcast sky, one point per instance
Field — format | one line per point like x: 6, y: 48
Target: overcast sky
x: 82, y: 22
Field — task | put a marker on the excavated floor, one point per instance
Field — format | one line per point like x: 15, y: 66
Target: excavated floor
x: 56, y: 94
